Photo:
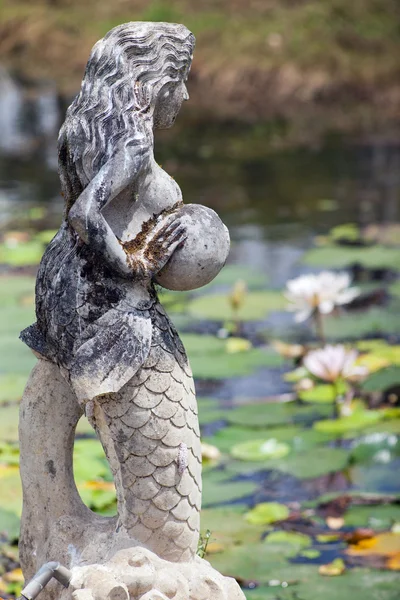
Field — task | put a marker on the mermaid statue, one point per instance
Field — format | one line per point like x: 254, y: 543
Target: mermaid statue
x: 105, y: 345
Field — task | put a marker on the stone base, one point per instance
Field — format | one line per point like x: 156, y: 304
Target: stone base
x: 139, y: 574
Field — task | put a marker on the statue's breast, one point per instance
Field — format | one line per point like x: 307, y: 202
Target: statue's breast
x: 152, y: 192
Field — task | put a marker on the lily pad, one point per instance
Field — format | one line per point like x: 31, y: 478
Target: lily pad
x: 382, y: 380
x: 9, y: 424
x: 267, y: 513
x: 21, y: 254
x: 16, y: 290
x: 306, y: 584
x: 219, y: 488
x: 288, y: 542
x: 9, y: 524
x: 270, y: 414
x: 11, y: 489
x: 11, y: 387
x: 262, y: 449
x: 311, y: 464
x: 228, y: 526
x: 97, y: 495
x: 209, y: 411
x: 210, y: 360
x: 375, y: 321
x: 360, y: 419
x: 297, y: 438
x: 256, y: 306
x: 230, y: 274
x: 303, y: 465
x: 336, y: 257
x: 322, y: 394
x: 90, y: 462
x: 377, y: 517
x: 376, y: 447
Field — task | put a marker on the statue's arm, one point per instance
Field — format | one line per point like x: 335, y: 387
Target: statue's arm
x: 86, y: 217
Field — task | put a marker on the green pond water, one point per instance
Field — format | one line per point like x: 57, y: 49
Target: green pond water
x: 270, y: 513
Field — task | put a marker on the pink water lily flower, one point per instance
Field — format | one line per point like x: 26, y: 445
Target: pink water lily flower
x: 332, y: 363
x: 321, y: 292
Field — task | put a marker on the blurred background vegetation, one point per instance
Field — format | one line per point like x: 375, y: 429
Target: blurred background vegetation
x: 292, y: 135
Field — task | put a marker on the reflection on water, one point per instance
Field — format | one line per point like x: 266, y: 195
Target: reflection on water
x: 273, y: 202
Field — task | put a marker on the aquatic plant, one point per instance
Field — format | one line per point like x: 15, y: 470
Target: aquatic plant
x: 334, y: 363
x: 318, y: 294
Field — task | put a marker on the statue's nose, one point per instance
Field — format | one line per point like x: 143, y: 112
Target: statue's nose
x: 186, y: 94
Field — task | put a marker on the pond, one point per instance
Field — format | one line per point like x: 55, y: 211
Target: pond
x: 300, y: 501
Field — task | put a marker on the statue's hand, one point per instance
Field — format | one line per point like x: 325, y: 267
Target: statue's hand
x: 151, y: 249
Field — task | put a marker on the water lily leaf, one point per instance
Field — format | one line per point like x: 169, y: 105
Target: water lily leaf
x: 381, y: 350
x: 310, y: 553
x: 382, y: 380
x: 21, y: 254
x: 46, y: 236
x: 11, y: 387
x: 256, y: 306
x: 297, y: 438
x: 296, y: 375
x: 9, y: 423
x: 311, y: 464
x: 333, y: 569
x: 90, y: 462
x: 9, y: 524
x: 295, y: 541
x: 373, y: 362
x: 324, y: 393
x: 324, y: 538
x: 347, y: 232
x: 230, y: 274
x: 266, y: 513
x: 374, y: 321
x: 97, y: 494
x: 228, y: 526
x: 173, y: 302
x: 209, y: 411
x: 360, y: 419
x: 376, y: 447
x: 234, y: 345
x: 303, y: 465
x: 376, y: 517
x: 15, y: 357
x: 273, y: 413
x: 259, y: 562
x: 15, y: 290
x: 336, y: 257
x: 260, y: 449
x: 11, y: 489
x: 218, y: 488
x: 9, y: 455
x: 210, y: 360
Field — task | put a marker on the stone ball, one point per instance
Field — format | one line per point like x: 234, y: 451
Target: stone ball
x: 203, y: 254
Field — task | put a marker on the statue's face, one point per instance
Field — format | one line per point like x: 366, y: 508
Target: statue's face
x: 168, y: 104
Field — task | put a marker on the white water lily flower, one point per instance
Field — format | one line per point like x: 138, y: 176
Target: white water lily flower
x: 323, y: 291
x: 334, y: 362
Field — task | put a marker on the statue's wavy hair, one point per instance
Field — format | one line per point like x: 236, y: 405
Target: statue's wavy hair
x: 124, y: 74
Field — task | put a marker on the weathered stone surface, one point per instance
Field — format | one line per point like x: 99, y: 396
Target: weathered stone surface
x: 151, y: 579
x: 107, y: 346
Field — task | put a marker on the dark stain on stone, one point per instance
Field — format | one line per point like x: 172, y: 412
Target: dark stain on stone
x: 51, y: 468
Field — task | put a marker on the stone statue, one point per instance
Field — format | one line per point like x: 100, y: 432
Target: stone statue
x: 105, y: 345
